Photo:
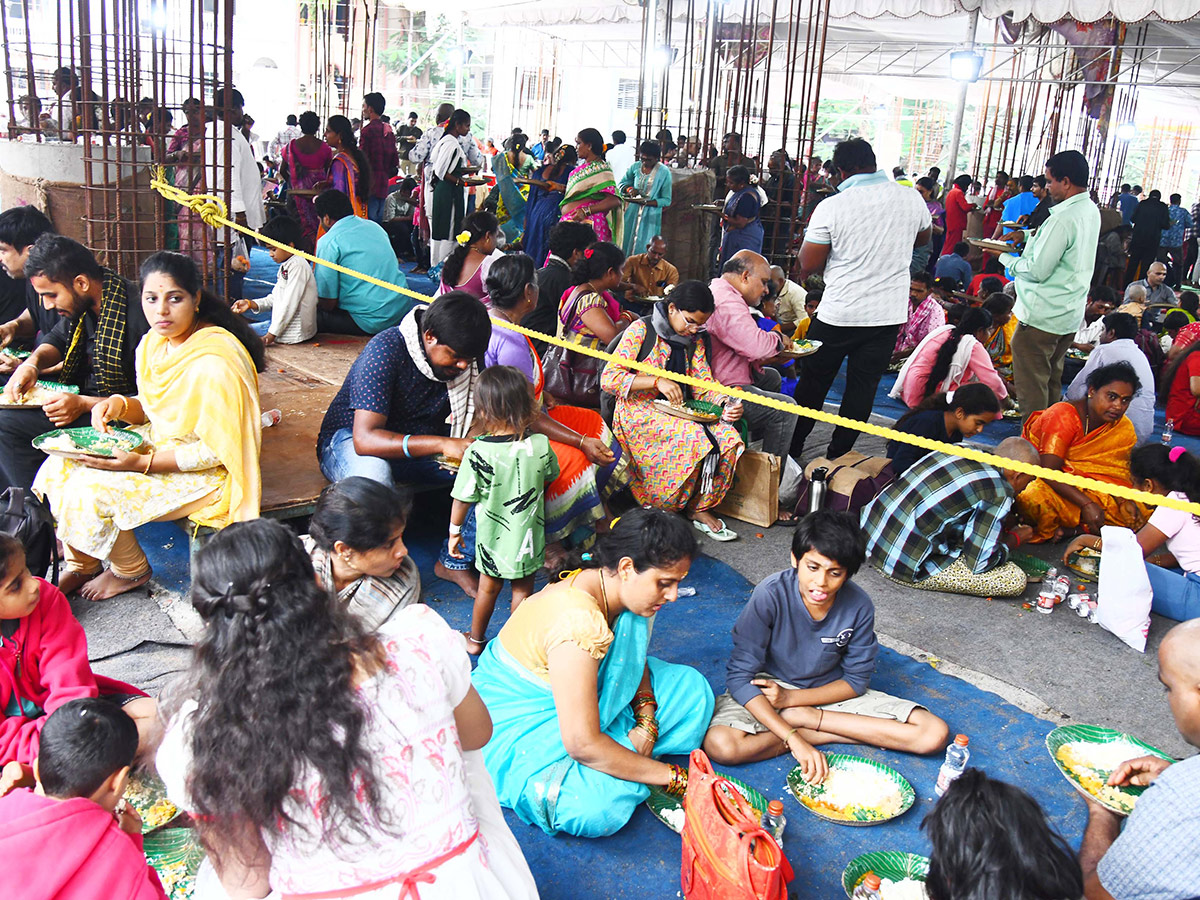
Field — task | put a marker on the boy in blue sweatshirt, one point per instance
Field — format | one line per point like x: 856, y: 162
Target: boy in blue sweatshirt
x: 804, y: 651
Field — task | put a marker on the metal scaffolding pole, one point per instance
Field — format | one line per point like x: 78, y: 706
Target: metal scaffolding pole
x: 961, y: 107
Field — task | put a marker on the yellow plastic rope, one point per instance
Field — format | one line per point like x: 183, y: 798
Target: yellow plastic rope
x: 213, y: 212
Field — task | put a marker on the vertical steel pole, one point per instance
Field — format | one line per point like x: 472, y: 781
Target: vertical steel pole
x: 961, y: 108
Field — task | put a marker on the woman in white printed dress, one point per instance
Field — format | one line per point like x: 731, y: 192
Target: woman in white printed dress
x: 323, y: 761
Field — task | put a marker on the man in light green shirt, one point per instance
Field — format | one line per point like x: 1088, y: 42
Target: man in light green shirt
x: 1052, y: 278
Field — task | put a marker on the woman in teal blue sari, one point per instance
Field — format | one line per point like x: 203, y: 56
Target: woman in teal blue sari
x: 650, y: 180
x: 510, y: 210
x: 579, y: 711
x: 545, y: 196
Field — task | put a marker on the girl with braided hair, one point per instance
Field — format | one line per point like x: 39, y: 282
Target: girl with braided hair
x: 322, y: 759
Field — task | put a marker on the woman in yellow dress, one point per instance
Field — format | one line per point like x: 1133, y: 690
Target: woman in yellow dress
x: 197, y: 406
x: 1092, y: 437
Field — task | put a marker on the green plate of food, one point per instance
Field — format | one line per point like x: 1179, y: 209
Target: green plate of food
x: 856, y: 791
x: 146, y: 793
x: 14, y: 353
x: 903, y: 874
x: 176, y: 854
x: 669, y: 810
x: 40, y: 394
x: 1085, y: 563
x: 1087, y: 754
x: 76, y: 443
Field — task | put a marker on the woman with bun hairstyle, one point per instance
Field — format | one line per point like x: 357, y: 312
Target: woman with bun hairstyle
x: 580, y: 711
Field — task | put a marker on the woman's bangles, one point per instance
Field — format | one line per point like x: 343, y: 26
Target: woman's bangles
x: 677, y: 786
x: 645, y: 720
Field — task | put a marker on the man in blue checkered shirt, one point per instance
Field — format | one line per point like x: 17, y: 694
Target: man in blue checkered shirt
x: 1157, y: 855
x: 942, y: 524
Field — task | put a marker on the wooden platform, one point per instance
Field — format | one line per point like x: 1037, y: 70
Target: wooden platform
x: 326, y: 358
x: 291, y: 479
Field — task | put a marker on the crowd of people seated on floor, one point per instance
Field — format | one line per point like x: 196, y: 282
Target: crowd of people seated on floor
x: 566, y: 715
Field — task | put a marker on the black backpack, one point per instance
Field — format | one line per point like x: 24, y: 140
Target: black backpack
x: 608, y: 401
x: 24, y: 517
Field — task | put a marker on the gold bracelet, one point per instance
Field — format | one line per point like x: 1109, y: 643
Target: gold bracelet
x: 149, y: 463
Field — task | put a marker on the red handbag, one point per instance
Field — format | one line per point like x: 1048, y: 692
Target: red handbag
x: 727, y: 855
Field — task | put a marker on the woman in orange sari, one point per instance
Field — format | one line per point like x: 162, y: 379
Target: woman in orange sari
x: 1092, y: 437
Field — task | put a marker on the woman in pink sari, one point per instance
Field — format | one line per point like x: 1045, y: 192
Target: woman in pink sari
x: 349, y: 172
x: 591, y: 194
x: 589, y: 309
x: 306, y: 162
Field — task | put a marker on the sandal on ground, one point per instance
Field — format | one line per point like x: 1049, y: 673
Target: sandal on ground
x: 791, y: 520
x: 724, y: 534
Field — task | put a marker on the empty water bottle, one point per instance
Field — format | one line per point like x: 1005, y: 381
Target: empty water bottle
x: 774, y: 821
x: 868, y: 888
x: 1168, y: 432
x: 957, y: 755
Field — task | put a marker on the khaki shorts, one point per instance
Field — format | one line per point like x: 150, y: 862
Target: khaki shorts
x: 876, y: 704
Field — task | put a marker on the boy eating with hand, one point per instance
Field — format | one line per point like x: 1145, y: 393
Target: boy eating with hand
x: 74, y: 838
x: 804, y: 651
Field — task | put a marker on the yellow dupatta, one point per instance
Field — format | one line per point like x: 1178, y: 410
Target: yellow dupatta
x: 208, y: 387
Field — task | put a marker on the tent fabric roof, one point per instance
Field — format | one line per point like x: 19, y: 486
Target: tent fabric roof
x: 594, y: 12
x: 1045, y: 11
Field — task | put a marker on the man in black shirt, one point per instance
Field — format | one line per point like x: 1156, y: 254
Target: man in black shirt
x: 567, y: 241
x: 22, y: 318
x: 1150, y: 219
x: 100, y: 325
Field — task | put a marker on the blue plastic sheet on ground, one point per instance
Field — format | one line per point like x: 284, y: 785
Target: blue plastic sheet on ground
x: 642, y: 860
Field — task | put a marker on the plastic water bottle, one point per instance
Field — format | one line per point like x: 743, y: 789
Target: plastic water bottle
x: 687, y: 591
x: 774, y: 821
x: 868, y: 888
x: 957, y: 755
x: 1168, y: 432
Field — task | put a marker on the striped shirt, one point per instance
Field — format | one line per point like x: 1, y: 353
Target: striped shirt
x: 941, y: 509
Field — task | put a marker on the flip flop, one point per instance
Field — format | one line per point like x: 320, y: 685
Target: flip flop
x: 724, y: 534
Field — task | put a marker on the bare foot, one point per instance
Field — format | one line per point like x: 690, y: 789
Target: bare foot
x: 106, y: 585
x: 464, y: 578
x: 474, y: 647
x: 72, y: 580
x: 704, y: 517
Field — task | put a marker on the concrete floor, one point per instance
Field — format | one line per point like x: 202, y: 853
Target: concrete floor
x: 1057, y: 666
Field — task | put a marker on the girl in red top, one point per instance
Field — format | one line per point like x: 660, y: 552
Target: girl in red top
x: 44, y: 662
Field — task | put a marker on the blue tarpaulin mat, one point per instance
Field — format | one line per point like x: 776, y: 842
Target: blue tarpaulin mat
x: 642, y: 859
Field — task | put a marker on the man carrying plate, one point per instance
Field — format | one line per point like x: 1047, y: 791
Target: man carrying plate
x: 101, y: 322
x: 1155, y: 855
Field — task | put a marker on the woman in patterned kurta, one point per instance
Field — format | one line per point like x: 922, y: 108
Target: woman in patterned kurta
x: 677, y: 464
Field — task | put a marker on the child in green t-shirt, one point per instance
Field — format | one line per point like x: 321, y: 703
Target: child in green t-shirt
x: 504, y: 473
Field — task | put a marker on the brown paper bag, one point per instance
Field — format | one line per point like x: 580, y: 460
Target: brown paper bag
x: 754, y: 496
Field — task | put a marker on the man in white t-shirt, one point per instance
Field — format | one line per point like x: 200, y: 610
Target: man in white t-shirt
x: 862, y: 240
